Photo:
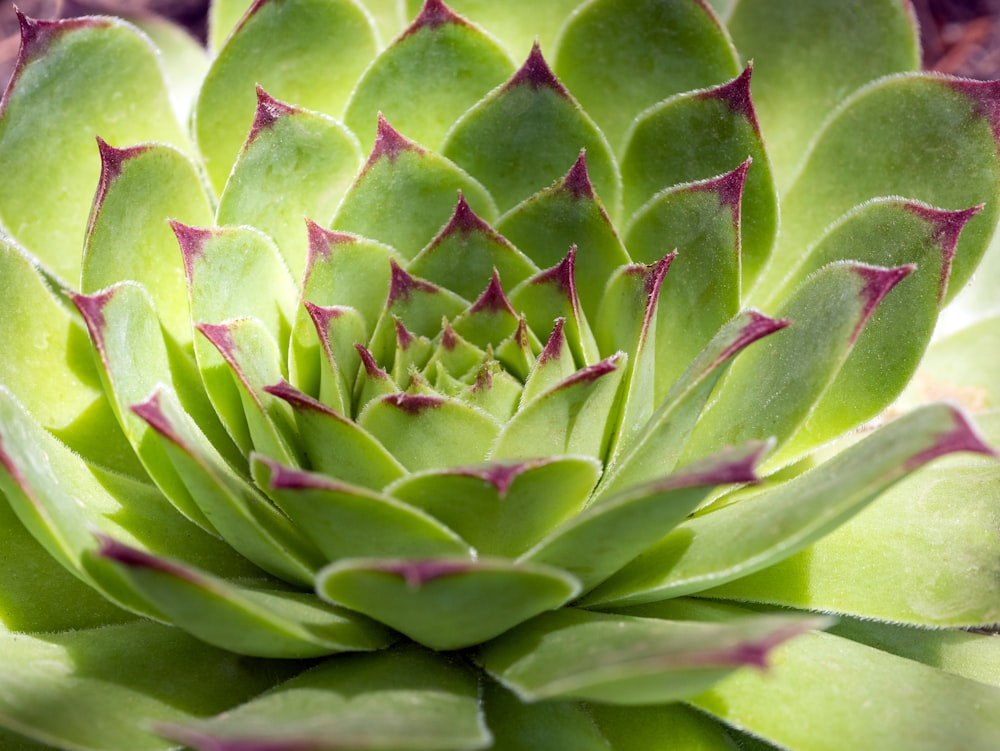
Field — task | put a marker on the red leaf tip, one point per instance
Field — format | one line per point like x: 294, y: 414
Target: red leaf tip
x: 269, y: 111
x: 414, y: 404
x: 963, y: 436
x: 493, y: 300
x: 736, y: 95
x: 434, y: 14
x: 536, y: 73
x: 402, y: 284
x: 985, y: 99
x: 878, y: 282
x: 556, y: 342
x: 389, y: 143
x: 192, y: 241
x: 577, y: 180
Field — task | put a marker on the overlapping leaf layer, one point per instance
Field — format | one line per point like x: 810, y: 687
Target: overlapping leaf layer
x: 501, y: 375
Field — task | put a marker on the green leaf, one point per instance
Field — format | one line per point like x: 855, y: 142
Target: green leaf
x: 261, y: 619
x: 294, y: 164
x: 925, y: 554
x: 337, y: 446
x: 69, y: 689
x: 48, y: 364
x: 405, y: 194
x: 406, y: 699
x: 808, y: 700
x: 694, y: 136
x: 309, y: 52
x: 130, y: 239
x: 608, y: 534
x: 800, y: 76
x: 771, y: 390
x: 572, y: 417
x: 779, y: 521
x: 446, y: 603
x: 642, y: 728
x: 619, y: 659
x: 568, y: 213
x: 466, y: 251
x: 502, y: 508
x: 74, y: 79
x: 346, y: 521
x: 520, y: 138
x: 490, y: 319
x: 420, y: 431
x: 942, y: 153
x: 642, y: 51
x: 438, y: 68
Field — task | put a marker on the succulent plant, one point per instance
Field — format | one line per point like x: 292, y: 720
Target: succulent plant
x: 424, y: 398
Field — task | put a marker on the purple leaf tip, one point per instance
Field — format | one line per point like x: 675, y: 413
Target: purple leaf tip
x: 113, y: 550
x: 736, y: 95
x: 948, y: 225
x: 728, y: 187
x: 372, y: 368
x: 402, y: 285
x: 269, y: 110
x: 757, y: 327
x: 493, y: 300
x: 404, y: 338
x: 591, y: 373
x: 464, y: 221
x: 91, y: 307
x: 434, y: 14
x: 413, y: 404
x: 577, y: 180
x: 500, y: 475
x: 536, y: 73
x: 389, y: 143
x: 563, y: 275
x: 985, y: 99
x: 878, y: 282
x: 554, y: 346
x: 418, y: 573
x: 192, y: 241
x: 151, y: 412
x: 961, y: 437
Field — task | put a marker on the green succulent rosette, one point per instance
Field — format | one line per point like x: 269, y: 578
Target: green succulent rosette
x: 498, y: 376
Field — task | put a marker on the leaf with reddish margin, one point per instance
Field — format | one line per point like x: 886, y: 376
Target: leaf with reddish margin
x: 619, y: 659
x: 446, y: 603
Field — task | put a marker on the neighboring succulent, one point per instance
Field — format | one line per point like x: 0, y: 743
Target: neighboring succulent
x: 447, y: 461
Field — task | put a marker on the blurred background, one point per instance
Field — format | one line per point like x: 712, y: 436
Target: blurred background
x: 961, y: 37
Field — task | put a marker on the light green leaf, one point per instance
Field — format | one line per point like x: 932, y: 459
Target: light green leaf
x: 438, y: 68
x: 619, y: 659
x: 642, y: 728
x: 406, y: 699
x: 446, y: 603
x: 308, y: 52
x: 502, y: 508
x: 294, y: 164
x: 521, y: 137
x: 74, y: 79
x: 642, y: 51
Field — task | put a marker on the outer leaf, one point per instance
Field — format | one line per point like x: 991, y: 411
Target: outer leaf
x: 801, y: 75
x: 642, y: 728
x: 643, y: 52
x: 330, y: 44
x: 69, y: 689
x: 258, y: 619
x: 521, y: 136
x: 103, y: 78
x: 436, y: 70
x: 694, y: 136
x: 618, y: 659
x: 446, y: 603
x: 808, y: 700
x: 405, y: 700
x: 305, y: 160
x: 405, y: 194
x: 779, y: 521
x: 856, y: 157
x: 502, y: 508
x: 130, y: 239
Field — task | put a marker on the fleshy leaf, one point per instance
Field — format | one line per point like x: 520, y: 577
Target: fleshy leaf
x: 437, y: 69
x: 856, y: 158
x: 446, y: 603
x: 348, y: 521
x: 103, y: 77
x: 406, y: 699
x: 696, y: 135
x: 520, y: 138
x: 563, y: 215
x: 776, y: 522
x: 129, y: 239
x: 643, y: 52
x: 330, y: 43
x: 641, y: 728
x: 619, y: 659
x: 405, y: 194
x: 305, y: 160
x: 610, y: 533
x: 502, y: 508
x: 490, y: 319
x: 265, y: 620
x: 67, y: 690
x: 801, y: 75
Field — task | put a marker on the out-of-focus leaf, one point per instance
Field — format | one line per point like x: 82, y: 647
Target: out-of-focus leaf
x: 642, y: 728
x: 642, y: 51
x: 446, y: 603
x: 330, y: 43
x: 74, y: 79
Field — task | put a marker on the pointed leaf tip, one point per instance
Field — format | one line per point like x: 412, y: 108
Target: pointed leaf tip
x: 269, y: 111
x: 192, y: 241
x: 577, y: 181
x: 465, y: 221
x: 736, y: 94
x: 563, y: 275
x: 493, y: 299
x: 949, y: 226
x: 112, y: 160
x: 402, y: 284
x: 729, y: 187
x: 962, y: 437
x: 126, y: 555
x: 389, y: 143
x: 152, y: 413
x: 91, y: 307
x: 536, y: 73
x: 755, y: 654
x: 372, y: 368
x: 434, y: 14
x: 758, y: 327
x: 414, y: 404
x: 591, y: 373
x: 985, y: 98
x: 878, y: 283
x: 285, y: 391
x: 554, y: 346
